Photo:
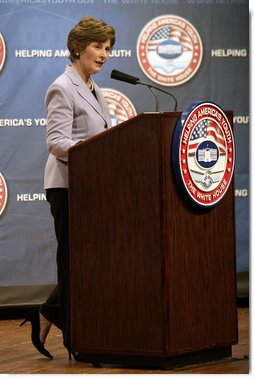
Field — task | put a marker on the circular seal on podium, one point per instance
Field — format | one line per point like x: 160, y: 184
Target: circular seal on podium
x: 203, y: 153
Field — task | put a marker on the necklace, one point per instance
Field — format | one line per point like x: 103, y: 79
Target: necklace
x: 91, y: 83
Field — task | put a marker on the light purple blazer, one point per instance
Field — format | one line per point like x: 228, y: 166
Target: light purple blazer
x: 73, y: 115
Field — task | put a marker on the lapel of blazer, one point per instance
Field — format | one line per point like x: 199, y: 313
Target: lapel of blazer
x: 100, y: 106
x: 102, y: 102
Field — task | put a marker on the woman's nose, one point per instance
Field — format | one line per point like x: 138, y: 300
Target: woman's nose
x: 104, y: 53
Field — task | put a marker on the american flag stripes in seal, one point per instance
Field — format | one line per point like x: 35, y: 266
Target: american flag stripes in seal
x: 120, y: 106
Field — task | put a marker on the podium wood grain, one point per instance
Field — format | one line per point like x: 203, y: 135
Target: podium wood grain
x: 18, y: 356
x: 151, y: 275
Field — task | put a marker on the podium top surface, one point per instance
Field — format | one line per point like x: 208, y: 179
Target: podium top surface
x: 139, y: 117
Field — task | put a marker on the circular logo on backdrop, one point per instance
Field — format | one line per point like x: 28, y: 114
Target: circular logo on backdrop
x: 203, y: 153
x: 3, y: 194
x: 120, y: 106
x: 2, y: 52
x: 169, y: 50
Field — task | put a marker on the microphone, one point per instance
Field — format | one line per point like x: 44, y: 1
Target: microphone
x: 118, y: 75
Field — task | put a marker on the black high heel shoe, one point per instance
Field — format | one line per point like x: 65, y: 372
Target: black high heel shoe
x: 34, y: 318
x: 72, y: 353
x: 76, y: 357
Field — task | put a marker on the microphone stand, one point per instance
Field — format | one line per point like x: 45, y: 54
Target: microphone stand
x: 118, y: 75
x: 150, y: 86
x: 156, y: 98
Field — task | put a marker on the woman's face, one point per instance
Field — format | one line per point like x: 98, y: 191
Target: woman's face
x: 93, y: 57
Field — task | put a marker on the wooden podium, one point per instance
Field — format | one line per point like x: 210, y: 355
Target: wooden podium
x: 153, y: 281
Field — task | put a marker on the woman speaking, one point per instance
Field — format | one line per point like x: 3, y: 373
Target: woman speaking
x: 76, y: 111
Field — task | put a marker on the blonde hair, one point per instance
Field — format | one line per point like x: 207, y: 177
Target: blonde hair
x: 88, y: 30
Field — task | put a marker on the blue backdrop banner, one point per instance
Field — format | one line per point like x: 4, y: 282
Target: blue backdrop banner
x: 196, y: 49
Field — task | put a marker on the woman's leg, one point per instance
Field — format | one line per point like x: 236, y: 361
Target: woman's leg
x: 50, y: 309
x: 56, y: 307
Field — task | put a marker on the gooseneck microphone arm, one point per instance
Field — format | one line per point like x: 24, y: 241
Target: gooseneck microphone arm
x: 161, y: 90
x: 154, y: 94
x: 118, y: 75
